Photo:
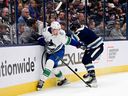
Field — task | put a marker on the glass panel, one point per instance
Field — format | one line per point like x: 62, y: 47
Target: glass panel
x: 115, y: 19
x: 107, y: 18
x: 6, y: 22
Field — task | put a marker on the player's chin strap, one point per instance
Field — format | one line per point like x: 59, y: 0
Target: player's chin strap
x: 69, y: 67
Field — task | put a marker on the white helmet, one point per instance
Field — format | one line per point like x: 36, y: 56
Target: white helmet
x: 55, y: 25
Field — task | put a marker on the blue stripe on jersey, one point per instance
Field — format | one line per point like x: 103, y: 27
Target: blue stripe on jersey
x: 88, y: 67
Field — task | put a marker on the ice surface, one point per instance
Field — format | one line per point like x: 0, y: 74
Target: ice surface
x: 108, y: 85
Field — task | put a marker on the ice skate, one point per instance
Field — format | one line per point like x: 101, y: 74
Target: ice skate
x: 86, y: 77
x: 62, y: 82
x: 40, y: 85
x: 90, y: 80
x: 93, y: 83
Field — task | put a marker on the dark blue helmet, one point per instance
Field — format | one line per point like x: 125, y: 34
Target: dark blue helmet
x: 74, y: 26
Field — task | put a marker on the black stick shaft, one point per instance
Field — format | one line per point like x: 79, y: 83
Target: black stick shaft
x: 68, y: 67
x: 74, y: 72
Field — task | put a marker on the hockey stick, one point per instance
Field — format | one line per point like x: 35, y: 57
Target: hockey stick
x: 73, y: 71
x: 69, y: 67
x: 59, y: 5
x: 42, y: 59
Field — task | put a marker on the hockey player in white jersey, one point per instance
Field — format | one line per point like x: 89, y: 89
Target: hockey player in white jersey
x: 54, y: 39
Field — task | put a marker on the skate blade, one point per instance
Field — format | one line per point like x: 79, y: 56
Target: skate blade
x: 39, y: 89
x: 66, y: 83
x: 92, y: 85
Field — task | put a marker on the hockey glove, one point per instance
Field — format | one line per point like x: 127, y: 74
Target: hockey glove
x: 41, y: 41
x: 50, y: 43
x: 81, y: 45
x: 85, y: 48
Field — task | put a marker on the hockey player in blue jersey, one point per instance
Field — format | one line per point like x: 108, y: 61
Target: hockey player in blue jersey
x: 94, y: 47
x: 54, y: 39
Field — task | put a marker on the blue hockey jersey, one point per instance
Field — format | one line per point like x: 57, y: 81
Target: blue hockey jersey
x: 88, y: 37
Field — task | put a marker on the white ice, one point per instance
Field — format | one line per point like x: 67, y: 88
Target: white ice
x: 108, y: 85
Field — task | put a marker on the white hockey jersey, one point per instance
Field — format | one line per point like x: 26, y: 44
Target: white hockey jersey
x: 58, y: 40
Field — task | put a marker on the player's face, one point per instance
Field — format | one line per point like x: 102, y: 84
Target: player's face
x: 55, y: 31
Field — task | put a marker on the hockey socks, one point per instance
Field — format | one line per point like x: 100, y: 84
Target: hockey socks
x: 90, y: 69
x: 46, y: 74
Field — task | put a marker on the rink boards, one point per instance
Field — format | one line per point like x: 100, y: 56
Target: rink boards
x: 20, y: 67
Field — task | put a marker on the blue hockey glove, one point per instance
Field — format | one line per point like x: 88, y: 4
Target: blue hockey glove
x: 41, y: 41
